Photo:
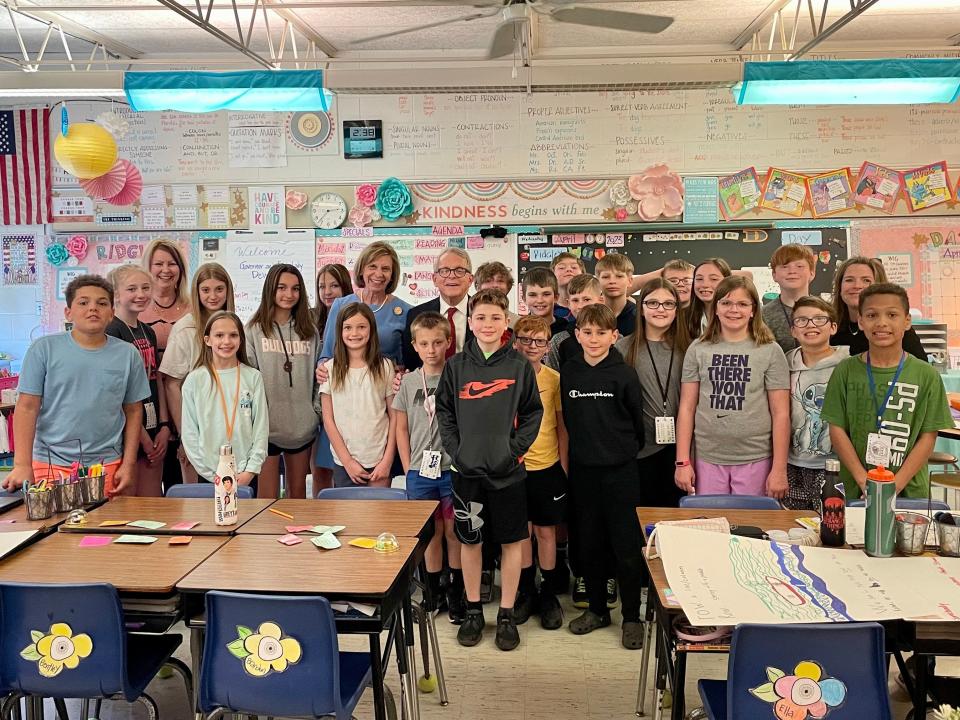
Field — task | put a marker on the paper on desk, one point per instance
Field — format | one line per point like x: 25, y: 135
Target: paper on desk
x: 289, y: 540
x: 136, y: 539
x: 297, y: 528
x: 180, y: 540
x: 146, y: 524
x: 368, y: 610
x: 10, y: 541
x: 323, y: 529
x: 95, y: 540
x: 114, y: 523
x: 185, y: 525
x: 365, y: 543
x: 327, y: 541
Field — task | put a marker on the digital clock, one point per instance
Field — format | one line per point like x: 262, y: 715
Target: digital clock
x: 362, y: 139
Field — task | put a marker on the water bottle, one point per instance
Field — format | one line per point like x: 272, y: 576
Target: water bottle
x: 833, y: 521
x: 225, y: 488
x: 880, y: 531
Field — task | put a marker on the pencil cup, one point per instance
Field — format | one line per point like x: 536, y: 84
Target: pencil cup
x: 948, y: 533
x: 91, y: 489
x: 67, y: 497
x: 39, y: 504
x: 911, y: 532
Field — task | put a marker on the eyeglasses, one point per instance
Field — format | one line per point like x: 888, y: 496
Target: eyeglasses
x: 816, y: 321
x: 456, y: 272
x: 535, y: 342
x: 681, y: 281
x: 731, y: 304
x: 654, y: 304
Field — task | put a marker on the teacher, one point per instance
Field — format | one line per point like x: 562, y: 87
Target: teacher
x: 377, y: 273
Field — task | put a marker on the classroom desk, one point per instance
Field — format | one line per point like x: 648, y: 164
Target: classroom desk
x: 18, y: 516
x: 169, y: 511
x: 949, y: 433
x: 361, y: 517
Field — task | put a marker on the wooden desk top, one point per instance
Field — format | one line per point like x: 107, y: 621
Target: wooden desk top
x: 258, y: 563
x: 152, y: 568
x: 361, y: 517
x: 19, y: 516
x: 950, y: 433
x: 167, y: 510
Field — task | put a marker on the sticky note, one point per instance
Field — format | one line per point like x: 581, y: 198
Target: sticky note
x: 95, y: 540
x: 114, y: 523
x: 366, y: 543
x: 327, y: 541
x: 185, y: 525
x: 146, y: 524
x: 289, y: 540
x: 136, y: 539
x: 297, y: 528
x: 180, y: 540
x: 324, y: 529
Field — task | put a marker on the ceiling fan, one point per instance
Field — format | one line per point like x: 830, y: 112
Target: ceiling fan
x: 516, y: 14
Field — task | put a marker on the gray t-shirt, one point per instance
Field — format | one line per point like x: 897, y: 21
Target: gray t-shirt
x: 424, y: 433
x: 663, y: 357
x: 778, y: 316
x: 733, y: 424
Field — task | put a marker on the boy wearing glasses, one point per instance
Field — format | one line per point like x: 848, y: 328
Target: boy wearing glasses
x: 679, y: 273
x: 794, y: 267
x: 811, y: 365
x: 546, y: 463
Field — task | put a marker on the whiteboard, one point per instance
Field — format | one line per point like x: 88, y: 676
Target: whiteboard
x: 248, y: 255
x: 504, y: 136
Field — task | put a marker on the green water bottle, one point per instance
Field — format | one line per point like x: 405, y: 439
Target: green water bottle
x: 880, y: 532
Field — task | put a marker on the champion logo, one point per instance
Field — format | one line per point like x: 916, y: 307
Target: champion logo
x: 475, y: 390
x: 598, y: 394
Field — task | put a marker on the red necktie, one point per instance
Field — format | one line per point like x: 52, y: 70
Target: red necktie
x: 453, y: 333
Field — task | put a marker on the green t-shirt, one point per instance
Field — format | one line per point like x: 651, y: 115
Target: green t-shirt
x: 918, y: 404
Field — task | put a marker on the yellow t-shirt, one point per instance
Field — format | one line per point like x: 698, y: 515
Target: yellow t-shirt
x: 545, y: 451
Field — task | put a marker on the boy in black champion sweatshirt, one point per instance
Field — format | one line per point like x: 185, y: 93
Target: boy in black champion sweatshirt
x: 489, y: 411
x: 603, y: 412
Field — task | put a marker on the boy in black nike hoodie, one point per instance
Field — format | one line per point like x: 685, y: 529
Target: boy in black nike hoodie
x: 603, y: 412
x: 489, y: 411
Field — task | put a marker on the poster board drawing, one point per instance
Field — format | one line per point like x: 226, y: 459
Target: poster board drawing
x: 739, y: 193
x: 927, y: 186
x: 831, y: 193
x: 784, y: 192
x: 878, y: 187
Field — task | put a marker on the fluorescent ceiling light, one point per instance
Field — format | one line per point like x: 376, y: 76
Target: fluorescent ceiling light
x: 849, y: 82
x: 197, y: 92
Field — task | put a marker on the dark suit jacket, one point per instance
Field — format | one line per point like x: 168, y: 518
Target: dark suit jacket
x: 411, y: 360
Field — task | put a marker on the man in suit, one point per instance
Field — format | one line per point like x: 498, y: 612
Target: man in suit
x: 452, y: 276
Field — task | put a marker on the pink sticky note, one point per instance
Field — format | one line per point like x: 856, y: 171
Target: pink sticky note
x: 298, y: 528
x: 289, y: 540
x: 95, y: 540
x: 185, y: 525
x: 6, y: 522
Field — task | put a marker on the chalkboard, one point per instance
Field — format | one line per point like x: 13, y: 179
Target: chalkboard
x: 742, y: 247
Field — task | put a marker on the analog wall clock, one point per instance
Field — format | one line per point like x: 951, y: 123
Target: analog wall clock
x: 329, y: 211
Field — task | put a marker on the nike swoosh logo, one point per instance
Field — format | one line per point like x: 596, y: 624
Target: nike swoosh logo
x: 474, y: 390
x: 560, y: 497
x: 723, y: 416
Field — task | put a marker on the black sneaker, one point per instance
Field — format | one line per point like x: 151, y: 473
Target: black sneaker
x: 508, y: 637
x: 579, y: 594
x: 523, y: 608
x: 486, y: 586
x: 611, y: 593
x: 456, y: 605
x: 471, y: 631
x: 551, y: 614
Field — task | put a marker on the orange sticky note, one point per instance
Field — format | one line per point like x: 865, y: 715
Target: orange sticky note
x: 180, y: 540
x: 366, y: 543
x: 114, y: 523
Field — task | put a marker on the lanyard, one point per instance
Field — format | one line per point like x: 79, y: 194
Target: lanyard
x: 873, y: 386
x: 785, y: 313
x: 663, y: 389
x: 228, y: 424
x: 429, y: 408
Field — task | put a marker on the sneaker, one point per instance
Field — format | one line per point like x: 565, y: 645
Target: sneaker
x: 551, y: 614
x: 611, y: 593
x: 486, y: 586
x: 631, y: 635
x: 508, y: 637
x: 588, y: 622
x: 580, y: 593
x: 523, y: 608
x: 471, y: 631
x: 456, y: 605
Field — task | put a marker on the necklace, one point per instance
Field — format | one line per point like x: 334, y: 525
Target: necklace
x: 369, y: 305
x: 287, y: 366
x: 166, y: 307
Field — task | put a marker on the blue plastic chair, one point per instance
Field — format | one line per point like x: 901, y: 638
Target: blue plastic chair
x: 915, y: 504
x: 847, y: 653
x: 316, y: 681
x: 69, y: 641
x: 362, y: 493
x: 730, y: 502
x: 204, y: 490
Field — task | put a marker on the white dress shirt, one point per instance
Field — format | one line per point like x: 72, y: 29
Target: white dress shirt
x: 459, y: 319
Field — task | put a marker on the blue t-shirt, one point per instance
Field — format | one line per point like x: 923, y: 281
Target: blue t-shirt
x: 82, y: 396
x: 391, y: 318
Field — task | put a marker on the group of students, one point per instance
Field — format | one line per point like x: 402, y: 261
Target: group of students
x: 550, y: 427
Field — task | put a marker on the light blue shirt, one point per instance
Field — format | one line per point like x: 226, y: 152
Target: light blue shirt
x: 82, y: 393
x: 391, y: 318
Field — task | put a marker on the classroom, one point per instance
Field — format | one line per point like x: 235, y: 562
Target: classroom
x: 448, y: 360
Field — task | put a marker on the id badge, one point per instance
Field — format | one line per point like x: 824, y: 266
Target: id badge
x: 878, y: 449
x: 666, y: 428
x: 149, y: 415
x: 430, y: 465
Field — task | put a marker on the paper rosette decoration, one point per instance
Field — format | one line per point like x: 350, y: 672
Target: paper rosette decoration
x: 132, y: 186
x: 77, y: 247
x: 393, y: 199
x: 619, y: 193
x: 108, y: 184
x: 657, y: 192
x: 360, y: 216
x: 86, y: 151
x: 114, y: 123
x: 366, y: 194
x: 57, y: 254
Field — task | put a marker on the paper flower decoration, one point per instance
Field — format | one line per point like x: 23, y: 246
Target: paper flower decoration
x: 360, y: 216
x: 86, y: 151
x: 296, y: 200
x: 132, y: 187
x: 657, y: 192
x: 77, y: 247
x: 619, y: 193
x: 57, y: 254
x: 366, y: 194
x: 393, y: 199
x: 804, y: 694
x: 108, y: 184
x: 57, y: 650
x: 375, y: 215
x: 620, y: 214
x: 265, y: 650
x: 114, y: 123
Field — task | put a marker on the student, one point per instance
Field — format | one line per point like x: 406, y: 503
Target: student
x: 496, y: 276
x: 794, y: 268
x: 614, y: 270
x: 853, y: 275
x: 811, y: 365
x: 885, y: 398
x: 211, y: 291
x: 80, y: 397
x: 425, y: 462
x: 583, y: 290
x: 706, y: 276
x: 489, y: 412
x: 283, y: 344
x: 224, y: 403
x: 546, y: 463
x: 603, y: 411
x: 565, y: 266
x: 540, y: 296
x: 655, y: 350
x: 679, y: 273
x: 734, y: 402
x: 357, y: 402
x: 132, y: 293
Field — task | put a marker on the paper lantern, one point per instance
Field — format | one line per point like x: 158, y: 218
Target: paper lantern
x: 86, y: 151
x: 132, y: 187
x: 108, y: 184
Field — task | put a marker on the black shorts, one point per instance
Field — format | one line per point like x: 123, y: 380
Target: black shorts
x: 274, y: 450
x: 484, y: 514
x: 547, y: 496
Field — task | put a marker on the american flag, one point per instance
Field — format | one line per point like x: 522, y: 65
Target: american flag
x: 25, y: 166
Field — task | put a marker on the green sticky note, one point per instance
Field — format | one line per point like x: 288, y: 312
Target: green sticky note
x: 146, y: 524
x: 136, y: 539
x: 324, y: 529
x: 326, y: 541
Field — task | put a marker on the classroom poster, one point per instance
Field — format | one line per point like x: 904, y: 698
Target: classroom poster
x: 878, y: 187
x: 831, y: 193
x: 784, y: 192
x: 257, y: 139
x: 19, y: 258
x: 739, y: 193
x: 266, y: 207
x: 927, y: 186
